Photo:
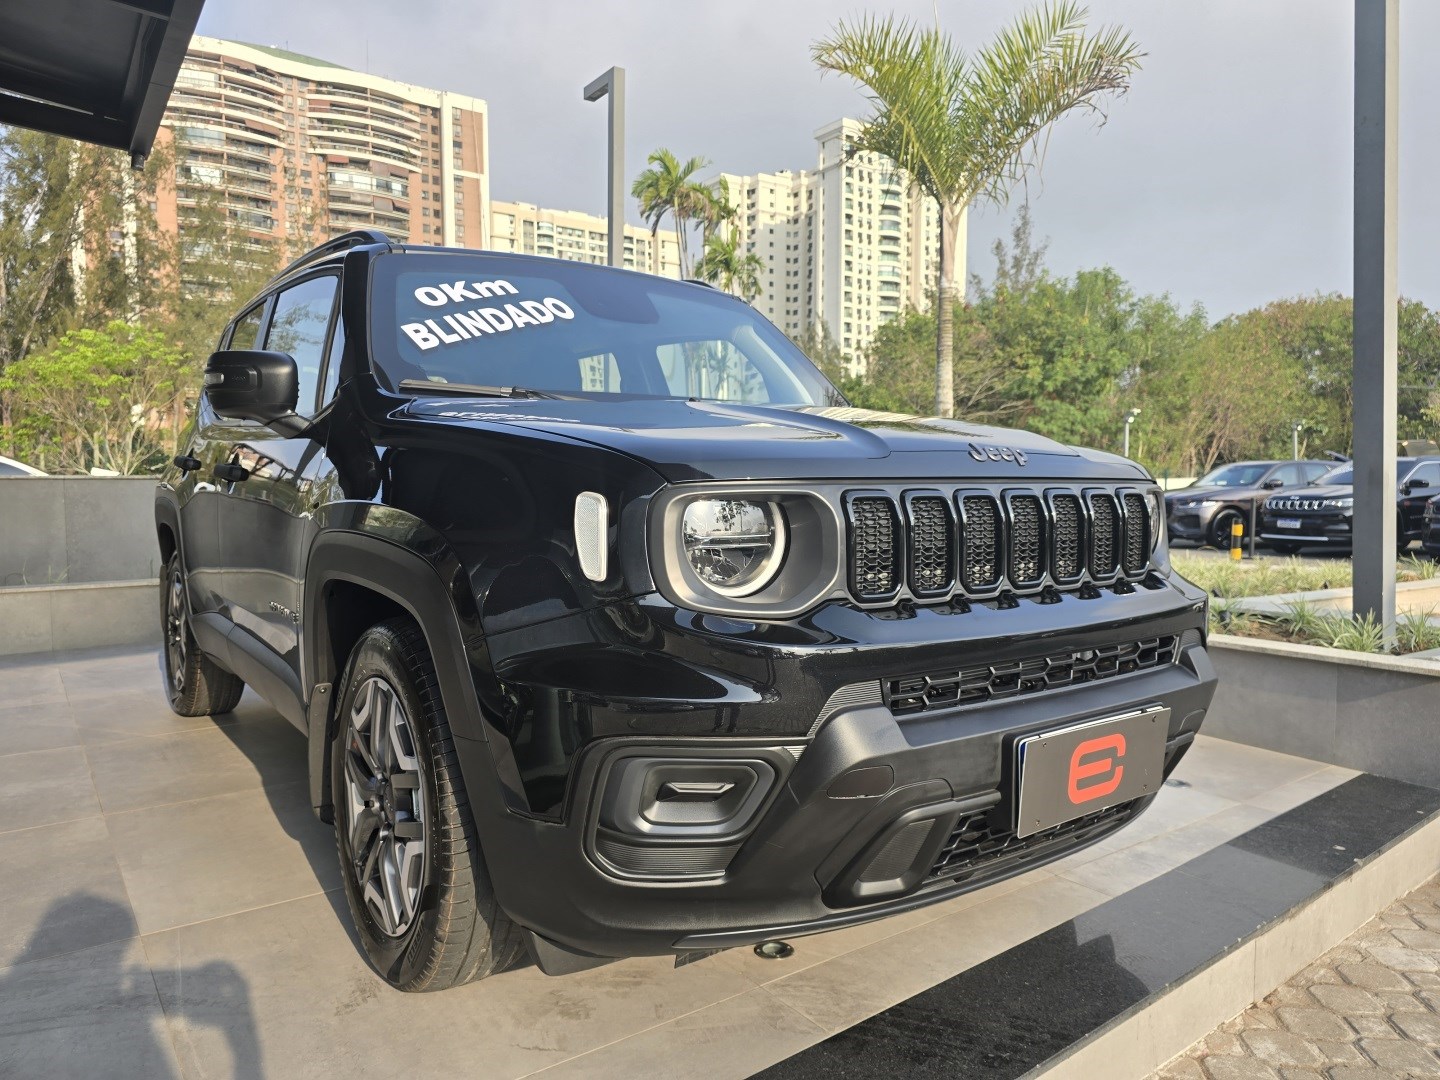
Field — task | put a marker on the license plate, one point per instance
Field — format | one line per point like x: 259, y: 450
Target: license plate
x: 1077, y: 770
x: 1288, y: 523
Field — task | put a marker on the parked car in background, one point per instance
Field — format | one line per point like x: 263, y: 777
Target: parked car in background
x: 1430, y: 527
x: 1205, y: 512
x: 1321, y: 515
x: 613, y: 630
x: 11, y: 467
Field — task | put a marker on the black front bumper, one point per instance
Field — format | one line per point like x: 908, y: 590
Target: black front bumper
x: 795, y: 871
x: 1317, y: 528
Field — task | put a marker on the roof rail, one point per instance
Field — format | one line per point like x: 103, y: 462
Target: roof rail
x: 343, y: 242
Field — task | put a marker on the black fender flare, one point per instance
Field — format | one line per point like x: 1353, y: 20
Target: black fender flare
x: 427, y: 587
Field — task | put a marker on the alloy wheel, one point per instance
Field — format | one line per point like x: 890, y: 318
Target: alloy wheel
x: 175, y: 633
x: 386, y: 806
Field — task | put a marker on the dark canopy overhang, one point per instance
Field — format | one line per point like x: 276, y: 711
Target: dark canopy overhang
x: 97, y: 70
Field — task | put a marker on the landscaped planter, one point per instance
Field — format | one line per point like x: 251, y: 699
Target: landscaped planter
x: 1376, y: 713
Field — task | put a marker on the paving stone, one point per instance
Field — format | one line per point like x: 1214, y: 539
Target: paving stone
x: 1237, y: 1068
x: 1317, y: 974
x: 1314, y: 1023
x: 1348, y: 1001
x: 1289, y: 995
x: 1396, y: 1002
x: 1293, y: 1073
x: 1394, y: 960
x: 1422, y: 1027
x: 1340, y: 1053
x: 1222, y: 1042
x: 1426, y: 980
x: 1281, y: 1048
x: 1425, y: 940
x: 1397, y: 919
x: 1185, y: 1068
x: 1360, y: 1072
x: 1402, y: 1057
x: 1373, y: 1027
x: 1377, y: 976
x: 1428, y: 919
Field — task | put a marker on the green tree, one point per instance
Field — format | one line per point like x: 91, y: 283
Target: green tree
x: 725, y: 263
x: 103, y: 398
x: 966, y: 128
x: 669, y: 186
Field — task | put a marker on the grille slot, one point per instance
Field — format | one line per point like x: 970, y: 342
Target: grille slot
x: 1137, y: 533
x: 932, y: 545
x: 980, y: 562
x: 1067, y: 557
x: 874, y: 525
x: 1027, y: 544
x: 977, y: 842
x: 1105, y: 536
x: 1032, y: 675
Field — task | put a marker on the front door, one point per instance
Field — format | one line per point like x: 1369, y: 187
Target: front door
x: 265, y: 522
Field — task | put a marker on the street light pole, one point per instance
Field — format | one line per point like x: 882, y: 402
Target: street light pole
x: 1377, y: 186
x: 612, y: 85
x: 1295, y: 440
x: 1129, y: 419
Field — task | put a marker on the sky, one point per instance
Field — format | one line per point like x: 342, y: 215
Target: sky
x: 1223, y: 178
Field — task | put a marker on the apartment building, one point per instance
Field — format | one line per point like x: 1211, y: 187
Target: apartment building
x: 299, y: 149
x: 570, y: 234
x: 846, y: 246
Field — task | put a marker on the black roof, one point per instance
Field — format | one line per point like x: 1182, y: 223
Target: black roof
x: 96, y: 70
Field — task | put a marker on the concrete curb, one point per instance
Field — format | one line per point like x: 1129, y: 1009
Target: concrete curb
x: 1164, y: 1025
x: 53, y: 618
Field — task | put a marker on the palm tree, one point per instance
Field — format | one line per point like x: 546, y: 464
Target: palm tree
x: 718, y: 211
x: 669, y: 186
x: 966, y: 128
x: 726, y: 265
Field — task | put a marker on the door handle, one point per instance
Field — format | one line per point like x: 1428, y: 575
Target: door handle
x: 694, y: 790
x: 187, y: 463
x: 231, y: 474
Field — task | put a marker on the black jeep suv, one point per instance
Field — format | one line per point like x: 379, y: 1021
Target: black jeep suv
x: 1322, y: 515
x: 614, y: 631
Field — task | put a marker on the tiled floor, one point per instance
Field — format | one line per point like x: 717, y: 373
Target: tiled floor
x: 171, y: 909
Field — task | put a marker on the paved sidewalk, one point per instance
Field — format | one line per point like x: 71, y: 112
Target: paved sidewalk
x: 1367, y: 1009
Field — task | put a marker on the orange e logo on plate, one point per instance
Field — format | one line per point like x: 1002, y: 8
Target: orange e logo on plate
x: 1095, y: 769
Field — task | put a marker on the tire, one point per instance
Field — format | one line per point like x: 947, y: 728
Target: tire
x: 399, y: 801
x: 1220, y: 528
x: 1283, y: 548
x: 194, y: 684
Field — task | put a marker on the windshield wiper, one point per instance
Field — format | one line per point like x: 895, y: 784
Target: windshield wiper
x: 425, y: 386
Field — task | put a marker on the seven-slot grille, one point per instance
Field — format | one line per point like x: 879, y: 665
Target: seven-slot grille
x: 978, y: 544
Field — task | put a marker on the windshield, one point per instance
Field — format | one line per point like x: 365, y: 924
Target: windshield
x: 1233, y: 476
x: 577, y: 330
x: 1345, y: 472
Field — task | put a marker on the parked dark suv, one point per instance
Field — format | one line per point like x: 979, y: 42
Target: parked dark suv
x: 614, y: 631
x: 1206, y: 511
x: 1322, y: 515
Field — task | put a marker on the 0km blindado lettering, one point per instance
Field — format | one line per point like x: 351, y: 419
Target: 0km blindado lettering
x: 477, y: 322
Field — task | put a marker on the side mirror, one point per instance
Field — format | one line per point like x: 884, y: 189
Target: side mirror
x: 253, y: 384
x: 1412, y: 484
x: 1273, y: 482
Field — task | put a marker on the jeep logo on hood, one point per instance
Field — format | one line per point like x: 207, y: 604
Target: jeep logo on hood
x: 997, y: 453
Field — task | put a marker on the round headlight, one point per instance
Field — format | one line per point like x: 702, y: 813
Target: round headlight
x: 735, y: 547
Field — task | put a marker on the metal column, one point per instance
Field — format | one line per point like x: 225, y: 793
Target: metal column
x: 1377, y: 101
x: 612, y: 83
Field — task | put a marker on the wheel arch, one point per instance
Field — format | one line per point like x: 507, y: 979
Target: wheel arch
x: 354, y: 580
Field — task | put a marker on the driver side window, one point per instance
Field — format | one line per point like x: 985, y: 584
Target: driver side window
x: 299, y: 327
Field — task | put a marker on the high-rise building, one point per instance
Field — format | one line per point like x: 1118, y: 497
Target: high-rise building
x: 844, y: 247
x: 299, y: 149
x: 569, y: 234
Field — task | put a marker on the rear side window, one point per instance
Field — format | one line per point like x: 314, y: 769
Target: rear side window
x: 299, y: 327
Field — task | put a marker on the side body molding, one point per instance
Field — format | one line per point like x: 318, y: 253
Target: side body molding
x: 414, y: 570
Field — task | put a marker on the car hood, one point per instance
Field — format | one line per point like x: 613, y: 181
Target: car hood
x: 702, y: 440
x: 1322, y: 491
x: 1213, y: 491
